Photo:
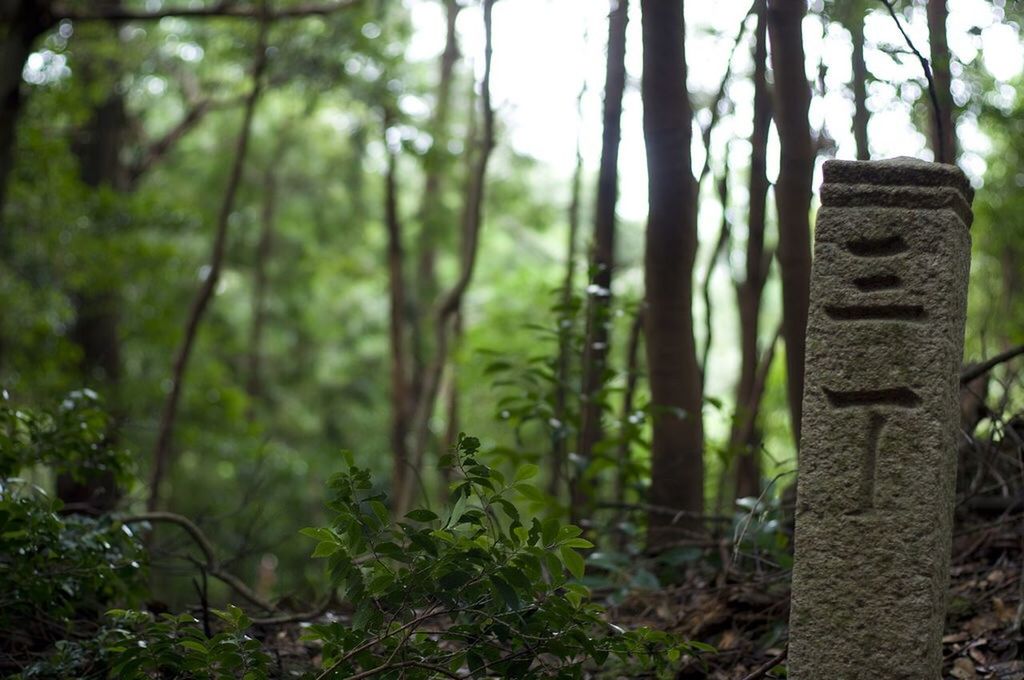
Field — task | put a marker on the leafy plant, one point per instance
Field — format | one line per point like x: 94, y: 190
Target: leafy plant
x: 172, y: 647
x: 473, y: 591
x: 57, y: 572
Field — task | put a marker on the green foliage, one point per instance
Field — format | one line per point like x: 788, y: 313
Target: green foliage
x: 70, y: 439
x: 57, y: 572
x: 172, y: 647
x: 472, y: 589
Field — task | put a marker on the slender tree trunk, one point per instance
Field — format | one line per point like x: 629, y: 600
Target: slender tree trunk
x: 264, y: 248
x: 21, y: 22
x: 944, y: 139
x: 749, y: 291
x: 451, y: 303
x: 861, y: 116
x: 168, y: 417
x: 629, y: 396
x: 598, y: 337
x: 677, y: 474
x: 793, y: 188
x: 566, y: 324
x: 451, y: 432
x: 721, y: 245
x: 397, y: 298
x: 433, y: 218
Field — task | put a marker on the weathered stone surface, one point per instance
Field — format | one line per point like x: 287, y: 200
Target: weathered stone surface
x: 877, y: 459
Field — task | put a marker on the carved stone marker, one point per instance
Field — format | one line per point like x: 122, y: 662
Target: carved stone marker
x: 878, y: 449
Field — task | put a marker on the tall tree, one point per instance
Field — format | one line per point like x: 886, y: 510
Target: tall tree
x: 169, y: 415
x: 677, y: 466
x: 397, y: 295
x: 749, y: 291
x: 450, y: 303
x: 99, y: 146
x: 566, y: 320
x: 433, y: 217
x: 21, y: 22
x: 254, y: 384
x: 602, y: 261
x: 792, y: 96
x: 944, y: 120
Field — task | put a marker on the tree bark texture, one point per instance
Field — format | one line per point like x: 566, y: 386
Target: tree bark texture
x: 793, y: 188
x: 677, y: 474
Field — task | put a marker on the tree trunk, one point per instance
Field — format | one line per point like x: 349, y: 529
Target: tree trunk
x: 626, y: 426
x: 169, y: 415
x: 749, y: 291
x: 397, y: 297
x: 944, y: 122
x: 450, y: 304
x: 99, y: 147
x: 433, y: 218
x: 21, y: 22
x: 793, y: 188
x: 602, y: 262
x: 566, y: 324
x: 677, y: 471
x: 268, y: 214
x: 861, y: 116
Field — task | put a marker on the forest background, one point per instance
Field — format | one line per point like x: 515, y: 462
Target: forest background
x: 412, y: 238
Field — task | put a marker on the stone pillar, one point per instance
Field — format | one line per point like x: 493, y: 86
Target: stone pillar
x: 877, y: 459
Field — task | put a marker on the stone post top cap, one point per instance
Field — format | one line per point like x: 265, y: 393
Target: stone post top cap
x: 900, y: 171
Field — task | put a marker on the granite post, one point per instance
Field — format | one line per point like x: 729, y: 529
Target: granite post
x: 877, y: 461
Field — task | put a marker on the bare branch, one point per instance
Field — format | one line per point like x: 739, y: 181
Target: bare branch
x: 926, y: 67
x: 212, y: 565
x: 972, y: 372
x: 772, y: 663
x: 720, y: 95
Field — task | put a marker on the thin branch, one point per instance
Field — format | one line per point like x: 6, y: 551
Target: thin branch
x: 297, y: 616
x: 969, y: 374
x: 932, y: 92
x: 402, y: 664
x: 724, y: 235
x: 212, y: 565
x: 162, y: 449
x: 720, y: 95
x: 762, y: 671
x: 158, y: 149
x: 221, y: 9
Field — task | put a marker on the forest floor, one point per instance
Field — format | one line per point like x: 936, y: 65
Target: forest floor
x: 742, y: 612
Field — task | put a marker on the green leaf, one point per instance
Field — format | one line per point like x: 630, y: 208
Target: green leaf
x: 326, y: 549
x: 573, y: 561
x: 527, y: 471
x: 194, y: 646
x: 507, y: 592
x: 422, y: 515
